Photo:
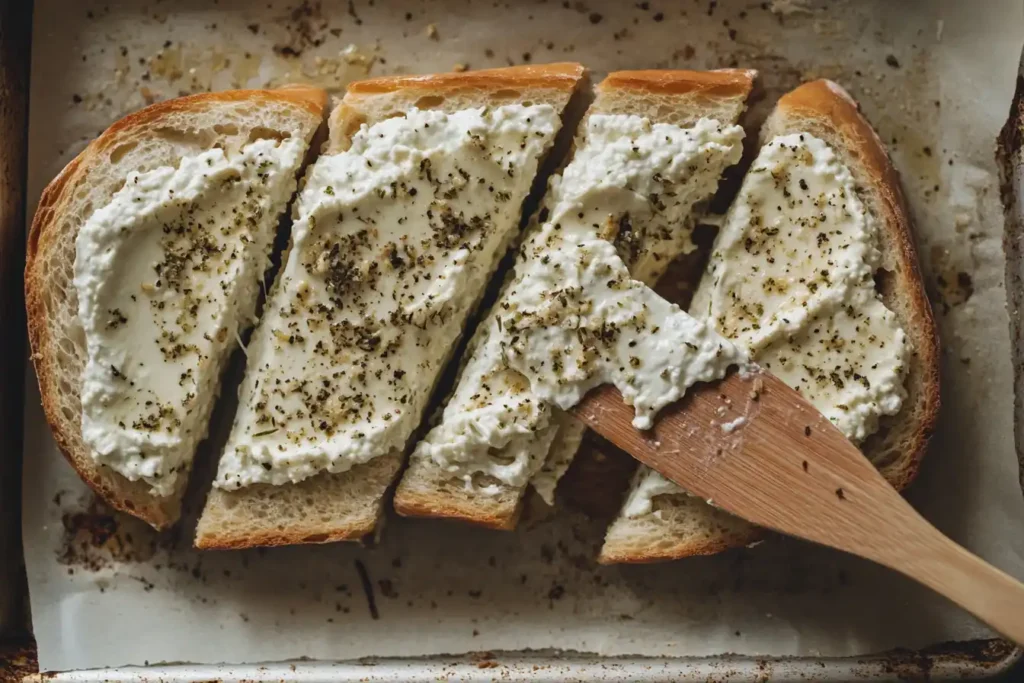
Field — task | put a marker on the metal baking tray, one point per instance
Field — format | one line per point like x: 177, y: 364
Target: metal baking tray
x: 308, y: 26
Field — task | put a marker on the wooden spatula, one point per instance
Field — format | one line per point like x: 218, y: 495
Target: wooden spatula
x: 753, y: 447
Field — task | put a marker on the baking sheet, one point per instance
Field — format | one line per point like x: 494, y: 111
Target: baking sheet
x: 935, y: 78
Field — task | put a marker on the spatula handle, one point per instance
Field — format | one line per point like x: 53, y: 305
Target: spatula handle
x: 986, y: 592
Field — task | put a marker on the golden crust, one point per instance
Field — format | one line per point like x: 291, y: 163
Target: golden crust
x: 158, y: 512
x: 722, y: 83
x: 737, y: 538
x: 272, y: 538
x: 313, y: 100
x: 560, y: 76
x: 460, y: 508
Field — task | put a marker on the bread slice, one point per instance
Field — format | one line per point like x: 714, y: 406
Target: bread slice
x: 676, y: 97
x: 347, y: 506
x: 680, y: 525
x: 157, y: 136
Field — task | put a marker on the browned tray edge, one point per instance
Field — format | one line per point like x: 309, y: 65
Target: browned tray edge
x: 15, y: 41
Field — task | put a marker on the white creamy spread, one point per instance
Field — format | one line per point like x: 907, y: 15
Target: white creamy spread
x: 394, y: 243
x: 166, y: 274
x: 647, y: 484
x: 559, y: 456
x: 573, y: 317
x: 791, y: 280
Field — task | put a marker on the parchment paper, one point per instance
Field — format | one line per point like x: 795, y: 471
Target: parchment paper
x: 936, y: 80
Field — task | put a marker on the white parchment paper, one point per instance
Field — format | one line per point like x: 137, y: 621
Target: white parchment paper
x: 935, y: 78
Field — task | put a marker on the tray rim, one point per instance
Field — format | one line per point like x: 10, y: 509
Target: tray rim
x: 949, y: 661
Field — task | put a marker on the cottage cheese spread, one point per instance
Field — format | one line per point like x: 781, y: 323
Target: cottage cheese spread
x: 791, y: 281
x: 394, y: 243
x: 573, y: 318
x: 166, y: 274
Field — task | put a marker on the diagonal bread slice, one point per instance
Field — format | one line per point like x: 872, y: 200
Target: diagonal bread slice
x: 681, y: 98
x: 346, y: 504
x: 156, y: 137
x: 679, y: 525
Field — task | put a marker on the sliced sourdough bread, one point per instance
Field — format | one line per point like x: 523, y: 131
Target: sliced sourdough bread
x: 159, y: 136
x: 680, y: 98
x: 678, y: 525
x: 345, y: 503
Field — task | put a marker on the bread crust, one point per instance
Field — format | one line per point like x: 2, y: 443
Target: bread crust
x: 559, y: 76
x: 116, y: 490
x: 826, y: 107
x: 461, y: 508
x: 739, y: 539
x: 717, y: 84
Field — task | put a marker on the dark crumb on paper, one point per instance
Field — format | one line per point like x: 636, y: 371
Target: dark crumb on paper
x: 387, y: 589
x: 807, y: 430
x: 892, y: 61
x: 352, y: 13
x: 840, y: 494
x: 556, y: 592
x: 595, y: 17
x: 806, y: 466
x: 95, y: 537
x: 364, y: 579
x: 483, y: 660
x: 306, y: 27
x: 547, y: 553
